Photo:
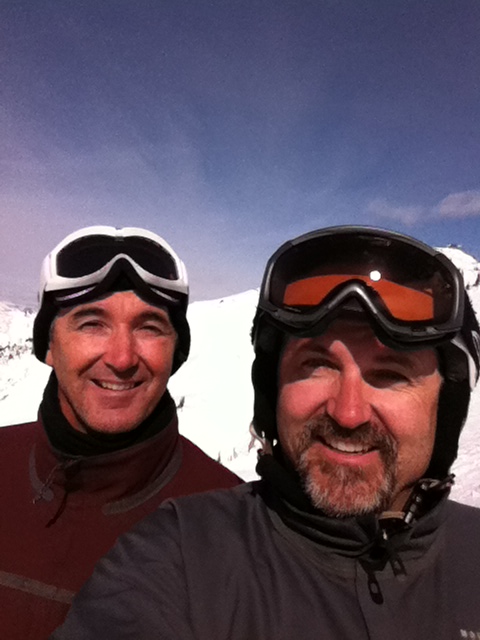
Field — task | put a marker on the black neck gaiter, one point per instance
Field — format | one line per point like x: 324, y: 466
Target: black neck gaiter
x: 63, y: 437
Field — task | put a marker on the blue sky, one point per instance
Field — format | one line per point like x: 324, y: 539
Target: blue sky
x: 230, y: 126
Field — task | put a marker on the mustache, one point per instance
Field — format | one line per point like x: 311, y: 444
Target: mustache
x: 325, y: 428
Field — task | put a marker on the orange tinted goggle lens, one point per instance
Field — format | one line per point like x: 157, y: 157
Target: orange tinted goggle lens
x: 403, y: 303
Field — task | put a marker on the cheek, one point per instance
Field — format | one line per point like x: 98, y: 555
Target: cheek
x: 74, y: 355
x: 412, y: 417
x: 54, y: 356
x: 160, y: 358
x: 300, y: 400
x: 297, y: 403
x: 426, y: 425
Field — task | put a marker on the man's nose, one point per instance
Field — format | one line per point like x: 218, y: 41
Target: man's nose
x: 120, y: 352
x: 348, y: 403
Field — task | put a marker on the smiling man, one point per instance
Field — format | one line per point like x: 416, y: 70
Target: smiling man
x: 106, y: 449
x: 366, y: 351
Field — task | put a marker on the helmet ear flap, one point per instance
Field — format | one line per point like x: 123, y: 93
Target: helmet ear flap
x: 180, y: 323
x: 268, y: 341
x: 265, y: 383
x: 451, y: 415
x: 41, y: 327
x: 471, y: 336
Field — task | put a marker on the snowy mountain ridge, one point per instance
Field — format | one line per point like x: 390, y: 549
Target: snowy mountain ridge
x: 15, y: 326
x: 467, y: 264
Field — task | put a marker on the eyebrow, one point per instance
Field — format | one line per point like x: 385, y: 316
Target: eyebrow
x: 306, y: 346
x: 157, y: 316
x: 312, y: 348
x: 402, y: 358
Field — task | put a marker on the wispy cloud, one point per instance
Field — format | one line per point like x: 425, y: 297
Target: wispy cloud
x: 407, y: 215
x: 464, y: 204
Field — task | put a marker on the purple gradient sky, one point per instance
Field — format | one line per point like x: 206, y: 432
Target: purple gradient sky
x: 230, y: 126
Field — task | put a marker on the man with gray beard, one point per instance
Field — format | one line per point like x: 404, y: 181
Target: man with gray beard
x: 366, y: 352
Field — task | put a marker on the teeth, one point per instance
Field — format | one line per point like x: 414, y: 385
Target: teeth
x: 347, y: 447
x: 116, y: 386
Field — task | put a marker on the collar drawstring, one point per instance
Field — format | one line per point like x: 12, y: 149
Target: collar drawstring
x: 45, y: 492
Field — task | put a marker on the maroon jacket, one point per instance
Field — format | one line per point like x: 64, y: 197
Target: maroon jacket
x: 59, y: 515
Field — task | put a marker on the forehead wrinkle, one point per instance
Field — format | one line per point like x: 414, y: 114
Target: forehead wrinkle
x: 298, y: 345
x: 383, y: 354
x: 394, y: 356
x: 89, y: 310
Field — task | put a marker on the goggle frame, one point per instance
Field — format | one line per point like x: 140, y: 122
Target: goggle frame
x: 52, y: 281
x: 311, y: 320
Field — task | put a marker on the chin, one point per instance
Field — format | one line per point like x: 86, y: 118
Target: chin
x: 111, y: 428
x: 343, y: 492
x: 114, y: 431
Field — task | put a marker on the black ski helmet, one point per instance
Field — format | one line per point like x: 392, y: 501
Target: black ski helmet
x: 459, y: 351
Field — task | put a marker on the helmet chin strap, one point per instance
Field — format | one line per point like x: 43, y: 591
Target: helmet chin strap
x: 426, y: 493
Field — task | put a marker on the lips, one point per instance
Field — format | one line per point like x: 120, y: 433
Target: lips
x: 116, y: 386
x: 344, y: 446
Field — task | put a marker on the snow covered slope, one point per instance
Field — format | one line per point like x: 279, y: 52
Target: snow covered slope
x: 15, y: 346
x: 213, y: 388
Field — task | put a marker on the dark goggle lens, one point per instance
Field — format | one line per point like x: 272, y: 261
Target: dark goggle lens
x: 409, y: 285
x: 91, y: 253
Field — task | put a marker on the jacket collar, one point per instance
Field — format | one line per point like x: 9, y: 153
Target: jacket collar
x: 117, y: 479
x: 373, y: 539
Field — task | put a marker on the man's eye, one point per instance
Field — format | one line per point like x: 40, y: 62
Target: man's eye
x: 316, y: 364
x: 88, y: 324
x: 387, y: 378
x: 154, y: 329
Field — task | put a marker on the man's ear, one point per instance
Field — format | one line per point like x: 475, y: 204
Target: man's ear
x: 49, y: 359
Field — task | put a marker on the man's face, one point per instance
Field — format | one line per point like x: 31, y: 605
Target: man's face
x: 356, y: 418
x: 112, y: 358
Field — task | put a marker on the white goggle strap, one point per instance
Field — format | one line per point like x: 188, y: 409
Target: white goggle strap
x: 458, y: 342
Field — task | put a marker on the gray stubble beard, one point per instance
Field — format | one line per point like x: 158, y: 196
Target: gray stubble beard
x: 340, y: 491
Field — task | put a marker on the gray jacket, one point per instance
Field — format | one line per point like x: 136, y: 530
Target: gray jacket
x: 226, y: 566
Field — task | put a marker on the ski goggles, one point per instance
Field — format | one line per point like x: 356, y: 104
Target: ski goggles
x: 87, y: 258
x: 414, y: 293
